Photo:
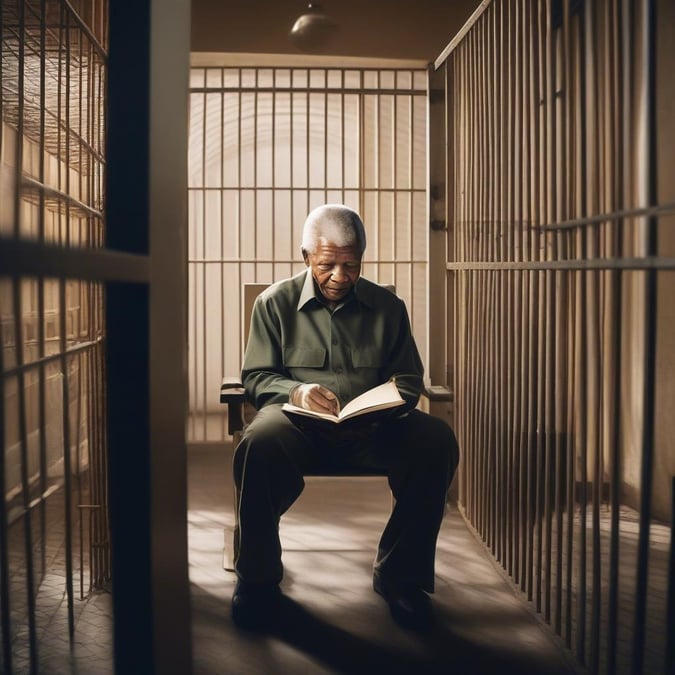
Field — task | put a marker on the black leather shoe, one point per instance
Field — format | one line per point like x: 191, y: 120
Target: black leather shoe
x: 409, y: 605
x: 254, y: 606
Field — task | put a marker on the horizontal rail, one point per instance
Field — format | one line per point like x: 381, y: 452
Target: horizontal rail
x: 648, y: 263
x: 27, y: 258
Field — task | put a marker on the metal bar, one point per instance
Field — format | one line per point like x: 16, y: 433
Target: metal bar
x: 457, y: 40
x: 223, y: 283
x: 42, y: 382
x: 303, y: 189
x: 648, y: 190
x: 670, y: 598
x: 624, y: 264
x: 312, y: 90
x: 560, y: 374
x: 4, y: 524
x: 25, y: 482
x: 50, y: 358
x: 82, y: 26
x: 626, y: 216
x: 592, y: 459
x: 30, y: 258
x: 63, y: 306
x: 46, y: 191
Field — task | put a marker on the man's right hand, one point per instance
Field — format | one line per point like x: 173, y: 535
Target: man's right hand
x: 315, y: 397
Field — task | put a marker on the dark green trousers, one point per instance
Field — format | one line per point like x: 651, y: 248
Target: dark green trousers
x: 418, y: 452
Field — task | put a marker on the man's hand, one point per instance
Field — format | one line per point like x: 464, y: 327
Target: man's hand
x: 315, y: 397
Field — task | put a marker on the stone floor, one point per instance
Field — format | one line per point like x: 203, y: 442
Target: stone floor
x: 332, y: 621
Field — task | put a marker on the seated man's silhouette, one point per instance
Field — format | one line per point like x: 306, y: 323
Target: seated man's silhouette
x: 318, y: 340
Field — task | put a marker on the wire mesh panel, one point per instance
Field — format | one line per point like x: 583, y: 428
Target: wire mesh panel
x: 54, y: 545
x: 267, y: 145
x: 560, y: 211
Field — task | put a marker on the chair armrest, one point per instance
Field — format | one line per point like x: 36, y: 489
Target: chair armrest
x: 231, y: 390
x: 232, y: 394
x: 438, y: 392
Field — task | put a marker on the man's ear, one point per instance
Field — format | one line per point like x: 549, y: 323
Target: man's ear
x: 305, y: 256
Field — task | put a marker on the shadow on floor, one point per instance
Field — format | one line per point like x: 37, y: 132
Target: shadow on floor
x: 331, y: 620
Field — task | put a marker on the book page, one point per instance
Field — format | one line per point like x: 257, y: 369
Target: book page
x: 378, y: 398
x: 309, y: 413
x: 383, y: 395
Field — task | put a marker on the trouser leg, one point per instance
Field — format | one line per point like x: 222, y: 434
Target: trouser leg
x: 422, y: 455
x: 268, y: 479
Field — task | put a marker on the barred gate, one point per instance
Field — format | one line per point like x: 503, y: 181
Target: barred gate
x: 559, y: 200
x: 54, y: 545
x: 266, y: 146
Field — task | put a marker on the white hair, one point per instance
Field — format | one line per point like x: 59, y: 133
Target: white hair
x: 335, y: 223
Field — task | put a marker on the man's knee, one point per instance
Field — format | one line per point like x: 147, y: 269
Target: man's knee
x: 437, y: 439
x: 270, y: 444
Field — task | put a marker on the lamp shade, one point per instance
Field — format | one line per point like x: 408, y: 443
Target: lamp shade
x: 314, y: 30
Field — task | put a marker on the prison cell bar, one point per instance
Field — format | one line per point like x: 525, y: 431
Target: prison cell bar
x: 593, y: 276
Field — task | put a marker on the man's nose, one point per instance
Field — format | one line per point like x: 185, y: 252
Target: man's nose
x: 339, y: 272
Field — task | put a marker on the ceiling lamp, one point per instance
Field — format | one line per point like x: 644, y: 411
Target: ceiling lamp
x: 314, y: 30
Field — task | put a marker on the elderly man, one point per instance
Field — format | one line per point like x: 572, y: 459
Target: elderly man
x: 317, y: 340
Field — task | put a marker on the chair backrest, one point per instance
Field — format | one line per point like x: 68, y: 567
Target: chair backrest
x: 249, y: 292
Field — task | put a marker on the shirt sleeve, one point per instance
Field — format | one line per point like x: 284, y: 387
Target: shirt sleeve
x: 263, y: 374
x: 405, y: 364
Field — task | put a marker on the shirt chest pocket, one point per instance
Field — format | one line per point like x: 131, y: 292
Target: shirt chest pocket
x: 367, y: 357
x: 304, y: 357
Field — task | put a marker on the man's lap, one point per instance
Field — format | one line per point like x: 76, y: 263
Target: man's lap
x: 376, y: 447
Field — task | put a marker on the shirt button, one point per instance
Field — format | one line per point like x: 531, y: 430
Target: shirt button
x: 334, y: 341
x: 338, y: 370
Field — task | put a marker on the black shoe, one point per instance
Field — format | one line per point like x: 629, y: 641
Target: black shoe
x: 254, y: 606
x: 409, y: 605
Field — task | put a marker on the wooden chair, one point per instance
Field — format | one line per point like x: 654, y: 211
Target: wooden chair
x: 240, y: 412
x: 436, y: 400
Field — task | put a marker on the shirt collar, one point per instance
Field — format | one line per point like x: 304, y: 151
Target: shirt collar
x: 308, y: 293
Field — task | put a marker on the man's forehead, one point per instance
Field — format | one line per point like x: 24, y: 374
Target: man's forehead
x: 326, y: 247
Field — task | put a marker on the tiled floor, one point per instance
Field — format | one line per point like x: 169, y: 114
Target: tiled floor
x: 332, y: 621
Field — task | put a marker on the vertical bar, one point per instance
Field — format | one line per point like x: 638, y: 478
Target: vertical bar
x: 67, y: 470
x: 376, y: 182
x: 509, y: 355
x: 274, y: 184
x: 342, y: 133
x: 256, y: 252
x: 4, y: 544
x: 221, y: 263
x: 410, y: 210
x: 200, y: 254
x: 5, y: 615
x: 42, y: 394
x: 127, y: 343
x: 648, y: 192
x: 18, y: 338
x: 670, y: 602
x: 25, y: 479
x: 325, y: 135
x: 615, y: 302
x: 308, y: 111
x: 291, y: 156
x: 146, y: 337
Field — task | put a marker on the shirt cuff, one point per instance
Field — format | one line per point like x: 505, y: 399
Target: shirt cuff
x: 291, y: 392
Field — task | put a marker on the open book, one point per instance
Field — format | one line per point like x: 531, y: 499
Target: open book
x: 382, y: 397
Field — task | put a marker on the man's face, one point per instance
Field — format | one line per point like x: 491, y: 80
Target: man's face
x: 335, y: 269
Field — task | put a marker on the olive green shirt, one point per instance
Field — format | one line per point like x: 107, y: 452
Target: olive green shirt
x: 295, y: 338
